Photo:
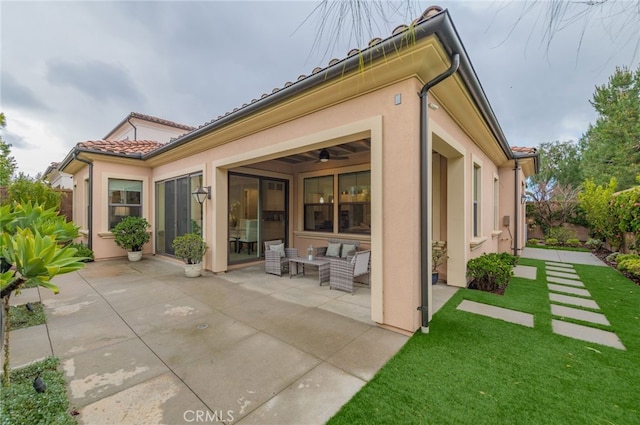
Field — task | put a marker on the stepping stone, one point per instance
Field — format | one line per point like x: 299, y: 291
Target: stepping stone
x: 512, y: 316
x: 568, y: 290
x: 561, y: 269
x: 526, y: 272
x: 554, y: 264
x: 566, y: 299
x: 565, y: 281
x: 562, y: 274
x: 574, y: 313
x: 586, y: 333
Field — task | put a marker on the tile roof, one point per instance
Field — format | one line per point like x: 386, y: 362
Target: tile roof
x: 160, y: 121
x: 127, y: 147
x: 428, y: 13
x: 523, y: 149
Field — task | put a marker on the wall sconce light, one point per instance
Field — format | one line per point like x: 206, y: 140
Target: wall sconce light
x: 433, y: 106
x: 201, y: 194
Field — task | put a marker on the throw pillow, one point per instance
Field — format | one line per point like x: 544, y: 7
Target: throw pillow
x: 333, y: 249
x: 279, y: 248
x: 346, y: 249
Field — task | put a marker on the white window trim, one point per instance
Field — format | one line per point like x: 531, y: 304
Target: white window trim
x: 104, y: 195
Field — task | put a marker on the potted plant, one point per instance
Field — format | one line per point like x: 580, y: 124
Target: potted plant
x: 438, y: 257
x: 131, y: 234
x: 191, y: 248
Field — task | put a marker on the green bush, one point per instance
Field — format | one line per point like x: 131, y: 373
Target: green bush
x: 594, y: 244
x: 491, y: 272
x: 190, y: 247
x: 630, y: 265
x: 83, y: 251
x: 613, y: 257
x: 551, y: 241
x: 131, y: 233
x: 562, y: 234
x: 573, y: 242
x: 533, y: 241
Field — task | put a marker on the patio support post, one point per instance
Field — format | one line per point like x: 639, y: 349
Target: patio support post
x: 425, y: 153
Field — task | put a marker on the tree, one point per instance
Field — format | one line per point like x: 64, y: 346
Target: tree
x: 24, y: 189
x: 7, y: 162
x: 611, y: 147
x: 552, y: 204
x: 32, y: 250
x: 559, y: 164
x: 602, y: 217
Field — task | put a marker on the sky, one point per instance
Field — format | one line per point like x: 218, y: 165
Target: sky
x: 71, y: 71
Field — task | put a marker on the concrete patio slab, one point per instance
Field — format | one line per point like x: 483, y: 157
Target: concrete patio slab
x: 586, y: 333
x: 568, y: 290
x: 245, y: 375
x: 526, y: 272
x: 379, y: 344
x: 26, y: 295
x: 317, y: 332
x: 69, y: 311
x: 564, y: 281
x: 161, y: 400
x: 563, y: 275
x: 262, y: 312
x: 28, y: 345
x: 575, y: 313
x: 566, y: 299
x: 441, y: 294
x: 108, y: 370
x: 314, y: 398
x: 347, y: 309
x: 141, y: 294
x: 512, y: 316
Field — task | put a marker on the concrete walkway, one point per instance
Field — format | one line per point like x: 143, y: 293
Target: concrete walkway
x: 141, y: 344
x: 567, y: 294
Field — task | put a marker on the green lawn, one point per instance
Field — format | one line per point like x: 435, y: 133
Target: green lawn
x: 472, y: 369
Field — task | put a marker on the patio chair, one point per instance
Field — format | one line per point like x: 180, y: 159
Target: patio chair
x: 274, y: 261
x: 342, y: 273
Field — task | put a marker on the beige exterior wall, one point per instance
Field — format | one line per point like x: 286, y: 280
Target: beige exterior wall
x: 145, y: 130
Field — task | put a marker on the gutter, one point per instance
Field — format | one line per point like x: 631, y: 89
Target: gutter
x: 135, y: 129
x: 439, y: 24
x: 90, y: 212
x: 425, y: 153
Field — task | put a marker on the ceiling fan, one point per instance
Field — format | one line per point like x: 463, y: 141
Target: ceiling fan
x: 325, y: 156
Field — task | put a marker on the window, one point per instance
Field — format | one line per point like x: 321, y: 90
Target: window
x: 476, y: 200
x: 496, y: 203
x: 318, y: 204
x: 355, y: 202
x: 125, y: 199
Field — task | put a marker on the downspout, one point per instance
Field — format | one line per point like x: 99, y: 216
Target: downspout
x: 90, y: 212
x: 425, y: 152
x: 516, y: 200
x: 135, y: 129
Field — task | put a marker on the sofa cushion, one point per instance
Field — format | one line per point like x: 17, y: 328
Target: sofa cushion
x: 346, y: 249
x: 333, y: 249
x: 278, y: 248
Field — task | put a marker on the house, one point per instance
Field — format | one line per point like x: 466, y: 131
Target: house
x: 138, y: 126
x: 56, y: 178
x: 395, y: 146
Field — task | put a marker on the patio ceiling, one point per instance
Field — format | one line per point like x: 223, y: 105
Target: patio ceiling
x: 335, y: 152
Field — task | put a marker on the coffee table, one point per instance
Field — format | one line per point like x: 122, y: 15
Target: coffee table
x: 297, y: 265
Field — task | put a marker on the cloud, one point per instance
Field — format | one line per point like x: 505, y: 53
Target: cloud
x: 96, y: 79
x: 15, y: 140
x: 18, y: 95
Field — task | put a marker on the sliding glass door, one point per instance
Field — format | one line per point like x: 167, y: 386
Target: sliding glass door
x: 257, y: 213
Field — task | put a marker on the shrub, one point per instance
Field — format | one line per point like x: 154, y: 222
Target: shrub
x: 491, y: 272
x: 628, y: 262
x: 594, y: 244
x: 131, y: 233
x: 562, y: 234
x: 551, y: 241
x: 632, y: 267
x: 83, y: 251
x: 534, y: 241
x: 190, y: 248
x: 573, y: 242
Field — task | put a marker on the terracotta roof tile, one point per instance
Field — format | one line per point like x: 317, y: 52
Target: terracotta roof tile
x: 127, y: 147
x: 523, y: 149
x: 160, y: 121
